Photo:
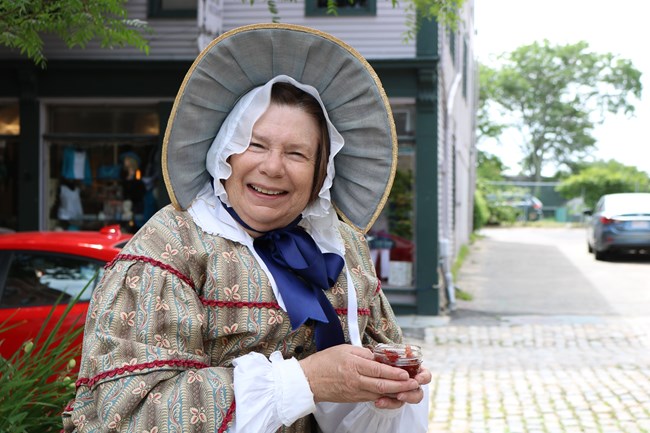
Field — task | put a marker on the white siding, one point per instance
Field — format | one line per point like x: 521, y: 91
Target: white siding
x: 456, y: 171
x: 377, y: 37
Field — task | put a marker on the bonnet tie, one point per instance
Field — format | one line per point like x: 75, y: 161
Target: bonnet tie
x: 302, y: 273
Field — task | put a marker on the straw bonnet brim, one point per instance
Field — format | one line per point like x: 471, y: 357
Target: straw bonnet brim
x: 248, y: 57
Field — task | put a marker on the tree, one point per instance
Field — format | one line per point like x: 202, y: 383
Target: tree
x: 491, y: 193
x: 601, y: 178
x: 554, y: 96
x: 489, y: 167
x: 24, y: 22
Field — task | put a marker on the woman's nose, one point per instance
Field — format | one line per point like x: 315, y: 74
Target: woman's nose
x: 272, y: 163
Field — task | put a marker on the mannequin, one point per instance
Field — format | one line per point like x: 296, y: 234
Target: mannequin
x: 70, y: 211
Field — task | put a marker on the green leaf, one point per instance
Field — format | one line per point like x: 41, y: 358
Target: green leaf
x: 23, y: 22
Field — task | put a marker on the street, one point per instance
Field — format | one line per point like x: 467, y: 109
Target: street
x: 552, y: 342
x: 549, y: 272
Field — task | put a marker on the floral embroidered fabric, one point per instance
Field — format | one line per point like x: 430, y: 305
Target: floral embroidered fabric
x: 178, y: 306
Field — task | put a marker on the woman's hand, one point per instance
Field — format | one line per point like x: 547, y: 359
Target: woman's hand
x: 412, y: 397
x: 348, y: 373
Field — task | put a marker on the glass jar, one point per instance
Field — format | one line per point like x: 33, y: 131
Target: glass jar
x: 405, y: 356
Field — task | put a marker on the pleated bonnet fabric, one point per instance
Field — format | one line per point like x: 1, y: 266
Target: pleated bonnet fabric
x: 248, y: 57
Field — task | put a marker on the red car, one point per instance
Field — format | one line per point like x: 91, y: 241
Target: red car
x: 39, y: 268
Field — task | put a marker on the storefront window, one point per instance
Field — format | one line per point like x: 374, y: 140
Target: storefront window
x: 173, y: 8
x: 343, y: 8
x: 9, y: 131
x: 391, y: 239
x: 9, y: 119
x: 103, y: 166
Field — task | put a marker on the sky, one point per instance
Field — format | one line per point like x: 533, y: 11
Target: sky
x: 619, y: 27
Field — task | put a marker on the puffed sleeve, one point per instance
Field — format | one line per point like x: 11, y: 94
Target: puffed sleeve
x: 144, y: 366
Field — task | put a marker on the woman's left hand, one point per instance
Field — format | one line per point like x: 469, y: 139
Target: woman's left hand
x: 411, y: 397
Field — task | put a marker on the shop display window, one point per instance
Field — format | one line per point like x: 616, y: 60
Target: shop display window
x: 103, y: 166
x: 9, y: 134
x: 391, y: 239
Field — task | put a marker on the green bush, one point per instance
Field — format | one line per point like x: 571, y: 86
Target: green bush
x: 400, y: 205
x: 481, y: 210
x: 37, y: 381
x: 503, y: 214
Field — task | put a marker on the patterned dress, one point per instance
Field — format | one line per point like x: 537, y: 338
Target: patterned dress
x: 174, y: 309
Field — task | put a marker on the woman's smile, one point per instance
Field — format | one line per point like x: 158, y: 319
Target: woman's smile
x: 265, y: 191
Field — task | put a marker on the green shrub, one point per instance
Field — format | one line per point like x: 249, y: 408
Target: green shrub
x: 37, y: 381
x: 481, y: 210
x: 503, y: 214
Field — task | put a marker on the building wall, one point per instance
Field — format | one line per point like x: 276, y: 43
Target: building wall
x: 382, y: 37
x: 456, y: 148
x: 410, y: 72
x: 376, y: 37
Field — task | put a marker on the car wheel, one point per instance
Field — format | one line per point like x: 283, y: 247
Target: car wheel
x: 590, y: 248
x: 601, y: 255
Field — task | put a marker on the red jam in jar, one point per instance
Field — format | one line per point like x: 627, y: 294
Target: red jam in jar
x: 405, y: 356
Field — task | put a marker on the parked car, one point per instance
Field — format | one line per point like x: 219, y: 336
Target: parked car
x: 620, y: 223
x: 37, y: 269
x: 527, y: 207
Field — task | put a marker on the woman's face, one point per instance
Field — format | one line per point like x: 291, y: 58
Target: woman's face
x: 272, y: 180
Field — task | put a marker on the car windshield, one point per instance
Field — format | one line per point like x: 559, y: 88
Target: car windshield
x: 628, y: 204
x: 39, y: 278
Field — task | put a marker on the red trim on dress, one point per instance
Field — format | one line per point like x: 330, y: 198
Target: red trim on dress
x: 238, y: 304
x: 274, y: 305
x: 214, y: 302
x: 70, y: 406
x: 228, y: 417
x: 90, y: 382
x: 153, y: 262
x: 360, y: 311
x: 378, y: 289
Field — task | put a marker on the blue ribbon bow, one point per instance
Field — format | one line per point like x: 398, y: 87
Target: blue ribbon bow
x: 302, y: 274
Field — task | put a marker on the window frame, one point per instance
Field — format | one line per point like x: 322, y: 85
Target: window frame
x: 156, y: 10
x: 312, y: 10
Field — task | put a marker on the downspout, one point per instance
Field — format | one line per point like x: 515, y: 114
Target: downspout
x: 445, y: 244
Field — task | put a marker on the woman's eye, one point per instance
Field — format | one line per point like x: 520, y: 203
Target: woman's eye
x: 256, y: 147
x: 297, y: 156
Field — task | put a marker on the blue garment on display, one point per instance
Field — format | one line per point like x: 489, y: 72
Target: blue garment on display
x: 302, y: 273
x: 76, y: 165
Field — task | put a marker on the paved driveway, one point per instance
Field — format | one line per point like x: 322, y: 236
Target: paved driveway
x: 542, y: 352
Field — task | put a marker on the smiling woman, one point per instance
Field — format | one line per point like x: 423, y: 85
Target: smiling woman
x: 250, y: 304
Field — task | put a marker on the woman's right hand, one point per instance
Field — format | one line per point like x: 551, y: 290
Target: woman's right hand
x: 348, y: 374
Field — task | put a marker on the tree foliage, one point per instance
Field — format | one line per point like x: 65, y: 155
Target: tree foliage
x: 601, y: 178
x: 489, y: 167
x: 554, y: 95
x: 445, y: 12
x: 487, y: 209
x: 24, y: 22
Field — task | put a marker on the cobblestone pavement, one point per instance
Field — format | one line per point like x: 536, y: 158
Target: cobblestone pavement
x: 534, y: 374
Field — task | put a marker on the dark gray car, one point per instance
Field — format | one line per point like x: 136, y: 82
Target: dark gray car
x: 620, y: 223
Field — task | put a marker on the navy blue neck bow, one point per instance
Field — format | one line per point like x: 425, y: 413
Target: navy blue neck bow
x: 302, y: 273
